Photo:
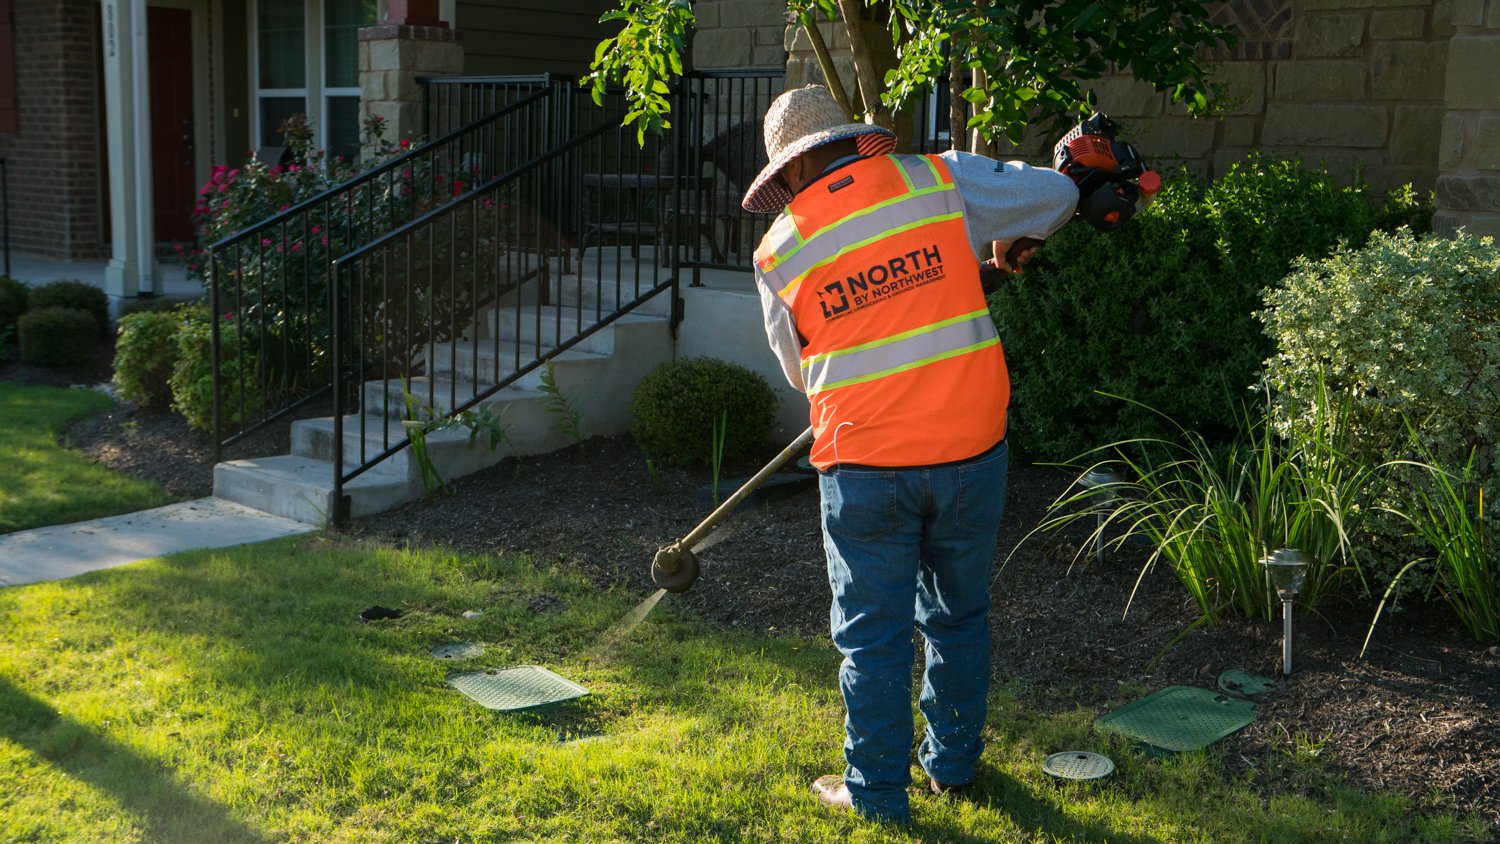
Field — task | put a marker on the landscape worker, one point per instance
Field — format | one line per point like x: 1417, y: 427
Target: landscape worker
x: 869, y: 280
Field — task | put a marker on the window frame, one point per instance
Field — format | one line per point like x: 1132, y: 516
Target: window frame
x: 316, y: 92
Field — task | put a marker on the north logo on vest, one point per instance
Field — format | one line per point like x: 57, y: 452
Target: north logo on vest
x: 881, y: 282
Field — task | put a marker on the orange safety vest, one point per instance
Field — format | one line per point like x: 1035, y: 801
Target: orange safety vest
x: 900, y: 360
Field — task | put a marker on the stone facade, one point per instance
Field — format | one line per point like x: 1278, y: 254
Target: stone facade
x: 1403, y: 91
x: 739, y: 34
x: 392, y: 57
x: 53, y: 159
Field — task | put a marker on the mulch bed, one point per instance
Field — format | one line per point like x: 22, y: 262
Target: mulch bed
x: 1418, y: 714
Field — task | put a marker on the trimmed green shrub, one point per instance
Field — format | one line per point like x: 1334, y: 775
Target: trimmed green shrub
x: 57, y: 336
x: 144, y: 355
x: 76, y: 295
x: 1161, y: 310
x: 193, y: 377
x: 677, y: 406
x: 13, y: 296
x: 1409, y: 329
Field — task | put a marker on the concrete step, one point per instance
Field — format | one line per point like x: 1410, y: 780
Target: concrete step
x: 301, y: 488
x: 529, y: 425
x: 462, y: 359
x: 588, y: 291
x: 547, y: 325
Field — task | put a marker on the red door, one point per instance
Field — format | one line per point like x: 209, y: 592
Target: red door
x: 170, y: 35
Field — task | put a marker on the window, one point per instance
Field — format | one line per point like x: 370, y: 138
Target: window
x: 341, y: 73
x: 307, y: 62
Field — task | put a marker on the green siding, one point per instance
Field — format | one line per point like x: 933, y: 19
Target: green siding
x: 531, y: 36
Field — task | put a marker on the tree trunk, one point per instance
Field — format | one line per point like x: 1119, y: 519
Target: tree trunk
x: 852, y: 12
x: 825, y: 63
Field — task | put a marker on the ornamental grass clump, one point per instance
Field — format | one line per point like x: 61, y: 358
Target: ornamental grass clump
x: 1213, y: 513
x: 1407, y: 331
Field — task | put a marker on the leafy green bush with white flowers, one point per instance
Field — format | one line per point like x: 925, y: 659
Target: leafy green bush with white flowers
x: 1408, y: 328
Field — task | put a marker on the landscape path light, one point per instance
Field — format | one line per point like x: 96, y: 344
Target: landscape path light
x: 1107, y: 481
x: 1287, y: 568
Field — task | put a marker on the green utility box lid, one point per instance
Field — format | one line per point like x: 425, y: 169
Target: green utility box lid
x: 516, y: 689
x: 1179, y: 718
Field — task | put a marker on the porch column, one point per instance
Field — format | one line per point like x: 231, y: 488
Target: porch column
x: 412, y: 41
x: 132, y: 270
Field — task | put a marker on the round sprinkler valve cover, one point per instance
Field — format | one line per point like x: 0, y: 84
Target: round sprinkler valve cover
x: 1078, y: 765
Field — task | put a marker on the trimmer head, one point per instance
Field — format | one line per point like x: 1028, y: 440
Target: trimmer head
x: 674, y: 568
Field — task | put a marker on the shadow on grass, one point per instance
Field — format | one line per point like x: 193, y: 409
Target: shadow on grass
x: 164, y: 809
x: 1037, y: 816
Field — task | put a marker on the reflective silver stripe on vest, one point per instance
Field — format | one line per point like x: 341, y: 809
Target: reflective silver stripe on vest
x: 929, y: 201
x: 899, y: 352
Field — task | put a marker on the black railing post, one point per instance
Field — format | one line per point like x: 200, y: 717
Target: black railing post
x: 213, y: 352
x: 340, y: 513
x: 5, y: 201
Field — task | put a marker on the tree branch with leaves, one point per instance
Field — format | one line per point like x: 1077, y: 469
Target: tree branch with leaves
x: 1027, y: 62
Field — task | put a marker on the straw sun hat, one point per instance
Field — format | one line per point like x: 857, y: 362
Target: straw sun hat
x: 797, y: 121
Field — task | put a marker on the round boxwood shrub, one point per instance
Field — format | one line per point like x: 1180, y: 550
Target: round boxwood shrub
x: 144, y: 355
x: 76, y: 295
x: 57, y: 336
x: 193, y: 373
x: 13, y: 296
x: 677, y: 407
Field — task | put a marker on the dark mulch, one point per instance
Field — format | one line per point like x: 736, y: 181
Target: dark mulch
x: 1418, y: 714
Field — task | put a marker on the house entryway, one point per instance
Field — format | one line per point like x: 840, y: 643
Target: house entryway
x: 170, y: 33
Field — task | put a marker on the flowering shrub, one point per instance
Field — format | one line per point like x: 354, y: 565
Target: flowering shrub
x: 237, y: 198
x: 1408, y: 329
x: 275, y: 278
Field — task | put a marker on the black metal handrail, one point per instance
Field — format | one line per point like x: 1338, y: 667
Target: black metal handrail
x: 720, y: 138
x: 452, y: 102
x: 268, y: 283
x: 469, y: 298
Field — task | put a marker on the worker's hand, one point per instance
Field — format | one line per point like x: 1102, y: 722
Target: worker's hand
x: 1012, y: 257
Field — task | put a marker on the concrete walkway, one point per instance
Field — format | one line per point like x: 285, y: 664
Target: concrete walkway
x: 53, y: 553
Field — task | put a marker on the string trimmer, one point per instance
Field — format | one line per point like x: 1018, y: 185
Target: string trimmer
x: 675, y: 566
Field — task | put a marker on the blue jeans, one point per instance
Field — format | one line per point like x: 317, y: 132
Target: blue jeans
x: 912, y: 548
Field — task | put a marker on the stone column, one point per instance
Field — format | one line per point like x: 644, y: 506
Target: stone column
x: 1468, y: 187
x: 412, y: 41
x: 132, y: 267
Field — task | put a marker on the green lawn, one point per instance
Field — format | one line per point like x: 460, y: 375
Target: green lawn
x: 44, y: 483
x: 233, y: 696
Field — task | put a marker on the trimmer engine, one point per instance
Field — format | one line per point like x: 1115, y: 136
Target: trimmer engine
x: 1112, y: 179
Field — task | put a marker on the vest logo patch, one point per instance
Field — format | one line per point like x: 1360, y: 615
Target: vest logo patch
x: 881, y: 282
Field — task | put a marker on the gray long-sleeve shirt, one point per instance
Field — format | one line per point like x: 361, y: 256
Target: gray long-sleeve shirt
x: 1002, y: 201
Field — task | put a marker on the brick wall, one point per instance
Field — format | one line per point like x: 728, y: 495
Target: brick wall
x: 56, y: 194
